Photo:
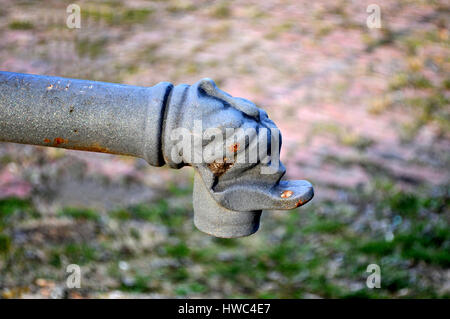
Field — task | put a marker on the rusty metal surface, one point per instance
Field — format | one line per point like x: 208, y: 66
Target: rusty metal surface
x: 82, y: 115
x: 229, y: 196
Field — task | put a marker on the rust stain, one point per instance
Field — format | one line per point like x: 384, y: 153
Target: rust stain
x: 56, y: 141
x: 98, y: 148
x: 218, y: 168
x: 77, y: 145
x: 94, y: 147
x: 235, y: 147
x: 286, y: 194
x: 59, y: 140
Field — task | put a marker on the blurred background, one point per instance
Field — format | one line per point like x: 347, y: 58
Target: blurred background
x: 364, y: 115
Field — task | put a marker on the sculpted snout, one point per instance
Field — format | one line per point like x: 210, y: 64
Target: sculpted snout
x: 245, y: 176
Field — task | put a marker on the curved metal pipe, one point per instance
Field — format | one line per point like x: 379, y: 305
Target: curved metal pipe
x: 138, y: 121
x: 83, y: 115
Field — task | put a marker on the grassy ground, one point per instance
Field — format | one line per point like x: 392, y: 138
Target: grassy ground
x: 322, y: 250
x: 364, y: 116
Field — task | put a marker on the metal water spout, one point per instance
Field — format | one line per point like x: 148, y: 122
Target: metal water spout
x: 147, y: 122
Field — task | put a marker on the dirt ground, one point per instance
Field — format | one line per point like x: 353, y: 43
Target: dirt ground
x: 364, y: 115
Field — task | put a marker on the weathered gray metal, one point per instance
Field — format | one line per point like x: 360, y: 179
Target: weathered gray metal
x: 138, y: 121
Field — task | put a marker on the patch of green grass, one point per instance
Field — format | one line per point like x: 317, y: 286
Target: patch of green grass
x: 221, y: 10
x: 428, y: 255
x: 387, y: 38
x: 323, y: 225
x: 377, y: 247
x: 178, y: 251
x: 446, y: 84
x: 358, y: 294
x: 152, y: 212
x: 99, y: 14
x: 15, y: 209
x: 356, y: 141
x: 404, y: 203
x: 179, y: 192
x: 394, y: 279
x: 280, y: 29
x: 21, y: 25
x: 140, y: 283
x: 186, y: 289
x: 427, y: 242
x: 431, y: 106
x: 10, y: 205
x: 134, y: 233
x: 158, y: 212
x: 122, y: 214
x: 176, y: 6
x: 267, y: 295
x: 5, y: 243
x: 148, y: 212
x: 178, y: 274
x: 79, y: 213
x: 55, y: 258
x: 321, y: 285
x: 413, y: 80
x: 437, y: 203
x: 92, y: 48
x: 343, y: 135
x: 116, y: 16
x: 420, y: 243
x: 226, y: 242
x: 412, y: 44
x: 80, y: 253
x: 232, y: 269
x: 134, y: 16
